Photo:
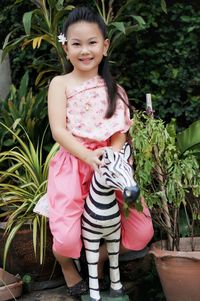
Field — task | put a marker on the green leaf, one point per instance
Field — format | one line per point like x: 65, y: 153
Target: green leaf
x: 27, y: 17
x: 24, y: 85
x: 163, y: 6
x: 9, y: 241
x: 140, y: 21
x: 16, y: 123
x: 58, y: 16
x: 171, y: 128
x: 8, y: 142
x: 35, y: 228
x: 175, y: 72
x: 53, y: 3
x: 120, y: 26
x: 7, y: 39
x: 186, y: 19
x: 41, y: 74
x: 59, y: 4
x: 189, y: 138
x: 9, y: 47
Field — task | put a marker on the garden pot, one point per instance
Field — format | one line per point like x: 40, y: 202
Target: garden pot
x: 179, y: 271
x: 10, y: 286
x: 22, y: 260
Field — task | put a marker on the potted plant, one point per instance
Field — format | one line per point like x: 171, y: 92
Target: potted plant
x: 23, y: 180
x: 169, y: 179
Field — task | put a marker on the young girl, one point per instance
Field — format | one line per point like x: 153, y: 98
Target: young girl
x: 87, y: 112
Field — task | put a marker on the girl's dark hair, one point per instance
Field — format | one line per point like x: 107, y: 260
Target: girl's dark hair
x: 85, y: 14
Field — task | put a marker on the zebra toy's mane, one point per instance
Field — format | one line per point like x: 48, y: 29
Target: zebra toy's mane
x: 101, y: 217
x: 117, y: 167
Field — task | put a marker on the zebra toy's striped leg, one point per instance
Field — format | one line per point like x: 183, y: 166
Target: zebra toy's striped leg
x: 113, y: 244
x: 92, y: 256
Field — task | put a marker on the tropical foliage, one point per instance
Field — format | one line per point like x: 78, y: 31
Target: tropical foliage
x: 41, y: 24
x: 189, y: 139
x: 164, y: 60
x: 23, y: 107
x: 168, y: 178
x: 120, y: 24
x: 22, y: 183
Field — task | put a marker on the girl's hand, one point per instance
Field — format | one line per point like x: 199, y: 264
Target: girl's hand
x: 93, y: 158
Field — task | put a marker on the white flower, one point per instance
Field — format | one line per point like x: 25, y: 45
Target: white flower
x: 62, y: 38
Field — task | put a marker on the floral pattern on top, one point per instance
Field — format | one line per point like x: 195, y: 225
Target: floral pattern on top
x: 86, y: 109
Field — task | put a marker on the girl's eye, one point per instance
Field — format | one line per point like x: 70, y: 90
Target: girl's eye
x: 93, y: 42
x: 75, y: 44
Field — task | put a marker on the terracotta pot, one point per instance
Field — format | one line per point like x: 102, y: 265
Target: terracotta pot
x: 10, y: 286
x: 21, y: 258
x: 11, y: 290
x: 179, y: 271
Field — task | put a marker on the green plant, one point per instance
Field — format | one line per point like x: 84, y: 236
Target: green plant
x: 169, y: 180
x: 24, y: 107
x: 121, y: 23
x: 42, y: 24
x: 163, y: 60
x: 22, y: 183
x: 189, y: 139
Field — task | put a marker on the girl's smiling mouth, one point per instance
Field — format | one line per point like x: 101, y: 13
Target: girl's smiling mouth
x: 86, y: 60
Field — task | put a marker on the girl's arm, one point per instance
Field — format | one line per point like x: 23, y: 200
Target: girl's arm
x: 117, y: 141
x: 57, y: 119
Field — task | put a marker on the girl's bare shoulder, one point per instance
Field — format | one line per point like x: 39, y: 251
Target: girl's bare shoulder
x: 60, y: 81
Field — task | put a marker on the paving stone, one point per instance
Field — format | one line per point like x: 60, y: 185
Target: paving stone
x: 56, y: 294
x: 105, y: 297
x: 60, y: 294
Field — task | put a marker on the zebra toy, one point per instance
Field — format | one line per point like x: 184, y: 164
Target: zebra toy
x: 101, y: 216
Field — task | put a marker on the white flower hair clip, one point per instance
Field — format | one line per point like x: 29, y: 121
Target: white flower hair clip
x: 62, y: 39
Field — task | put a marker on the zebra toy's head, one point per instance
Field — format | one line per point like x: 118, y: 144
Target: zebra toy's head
x: 117, y: 173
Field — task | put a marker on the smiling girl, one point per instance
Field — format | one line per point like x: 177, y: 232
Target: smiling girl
x: 87, y: 112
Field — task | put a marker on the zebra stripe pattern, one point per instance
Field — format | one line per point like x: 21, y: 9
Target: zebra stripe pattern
x: 101, y: 216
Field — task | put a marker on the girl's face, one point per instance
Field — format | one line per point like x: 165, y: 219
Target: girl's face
x: 85, y: 46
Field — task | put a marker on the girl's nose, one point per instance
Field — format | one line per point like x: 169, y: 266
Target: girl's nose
x: 84, y: 50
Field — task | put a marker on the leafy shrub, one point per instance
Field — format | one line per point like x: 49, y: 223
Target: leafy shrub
x: 22, y: 183
x: 23, y: 107
x: 164, y: 60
